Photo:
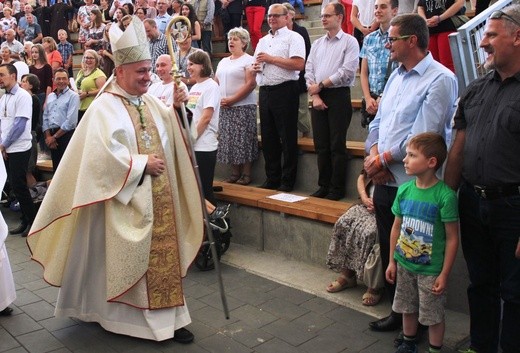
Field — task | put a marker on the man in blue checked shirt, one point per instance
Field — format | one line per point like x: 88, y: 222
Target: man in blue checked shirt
x: 375, y: 56
x: 60, y: 116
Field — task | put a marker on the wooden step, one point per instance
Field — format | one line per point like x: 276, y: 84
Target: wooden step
x: 311, y: 207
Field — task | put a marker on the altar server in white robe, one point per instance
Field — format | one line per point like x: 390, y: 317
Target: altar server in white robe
x: 7, y: 290
x: 122, y: 219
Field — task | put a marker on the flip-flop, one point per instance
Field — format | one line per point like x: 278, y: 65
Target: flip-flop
x: 370, y: 298
x: 336, y: 286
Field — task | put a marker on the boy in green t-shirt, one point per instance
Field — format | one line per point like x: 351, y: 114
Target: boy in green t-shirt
x: 424, y: 241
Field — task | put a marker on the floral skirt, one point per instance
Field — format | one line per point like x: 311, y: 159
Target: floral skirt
x: 353, y: 236
x: 237, y: 135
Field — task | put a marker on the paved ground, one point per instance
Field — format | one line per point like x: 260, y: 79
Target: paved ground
x: 265, y: 317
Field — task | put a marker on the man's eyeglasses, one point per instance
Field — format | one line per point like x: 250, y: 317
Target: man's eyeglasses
x: 499, y: 14
x: 276, y: 15
x: 327, y: 15
x: 393, y: 39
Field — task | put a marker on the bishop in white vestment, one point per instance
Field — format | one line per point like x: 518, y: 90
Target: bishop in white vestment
x: 122, y: 219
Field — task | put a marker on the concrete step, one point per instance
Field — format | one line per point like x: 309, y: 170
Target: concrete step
x: 313, y: 279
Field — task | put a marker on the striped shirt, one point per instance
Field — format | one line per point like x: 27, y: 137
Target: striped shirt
x: 335, y: 58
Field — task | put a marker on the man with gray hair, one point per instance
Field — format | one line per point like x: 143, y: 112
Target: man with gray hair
x: 280, y: 56
x: 10, y: 41
x: 131, y: 221
x: 483, y: 162
x: 419, y: 97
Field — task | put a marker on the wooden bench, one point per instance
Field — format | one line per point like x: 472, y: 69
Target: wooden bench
x: 311, y: 208
x: 44, y: 165
x: 306, y: 144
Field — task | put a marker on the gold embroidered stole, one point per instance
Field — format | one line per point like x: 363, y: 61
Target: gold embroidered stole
x: 164, y: 272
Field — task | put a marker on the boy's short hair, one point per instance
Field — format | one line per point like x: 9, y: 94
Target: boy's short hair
x: 63, y: 31
x: 430, y: 144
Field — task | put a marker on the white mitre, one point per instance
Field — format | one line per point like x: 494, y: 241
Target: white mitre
x: 131, y: 45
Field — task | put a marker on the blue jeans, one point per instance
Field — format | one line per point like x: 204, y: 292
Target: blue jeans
x: 490, y: 232
x: 300, y: 5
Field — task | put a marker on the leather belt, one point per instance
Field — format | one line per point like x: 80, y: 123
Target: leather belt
x: 496, y: 192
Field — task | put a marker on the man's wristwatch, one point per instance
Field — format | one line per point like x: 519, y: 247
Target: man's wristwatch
x: 321, y: 85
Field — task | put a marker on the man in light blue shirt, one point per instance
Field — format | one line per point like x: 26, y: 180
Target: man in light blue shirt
x: 162, y: 19
x: 419, y: 96
x: 60, y: 117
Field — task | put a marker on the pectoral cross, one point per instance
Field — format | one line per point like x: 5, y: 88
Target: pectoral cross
x: 145, y: 136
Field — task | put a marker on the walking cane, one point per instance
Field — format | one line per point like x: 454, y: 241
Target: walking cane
x: 181, y: 32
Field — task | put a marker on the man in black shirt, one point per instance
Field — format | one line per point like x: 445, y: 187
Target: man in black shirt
x: 484, y: 163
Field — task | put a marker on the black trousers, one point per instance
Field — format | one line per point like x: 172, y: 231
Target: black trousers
x: 57, y: 154
x: 206, y: 162
x: 279, y: 129
x: 16, y: 165
x: 329, y: 129
x: 384, y: 197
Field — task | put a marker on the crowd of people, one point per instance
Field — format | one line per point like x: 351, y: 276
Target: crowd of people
x: 406, y: 209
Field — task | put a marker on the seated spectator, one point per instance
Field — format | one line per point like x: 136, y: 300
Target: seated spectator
x: 84, y: 19
x: 26, y: 55
x: 94, y: 39
x: 163, y: 89
x: 118, y: 16
x: 353, y: 237
x: 53, y: 55
x: 104, y: 6
x: 7, y: 22
x: 129, y: 7
x: 238, y: 136
x: 5, y: 53
x: 33, y: 31
x: 15, y: 46
x: 141, y: 13
x: 188, y: 11
x: 22, y: 20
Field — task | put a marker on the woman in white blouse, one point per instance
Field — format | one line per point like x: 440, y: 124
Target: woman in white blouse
x: 238, y: 137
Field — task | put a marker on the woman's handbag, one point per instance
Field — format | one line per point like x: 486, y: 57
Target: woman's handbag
x: 373, y: 276
x: 459, y: 20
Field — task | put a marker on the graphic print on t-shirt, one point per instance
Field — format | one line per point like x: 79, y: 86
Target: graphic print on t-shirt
x: 416, y: 236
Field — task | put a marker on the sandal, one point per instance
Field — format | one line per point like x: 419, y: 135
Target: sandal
x: 233, y: 178
x: 244, y: 180
x: 372, y: 297
x: 342, y: 283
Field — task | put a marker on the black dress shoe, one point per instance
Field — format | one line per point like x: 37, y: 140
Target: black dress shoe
x: 270, y: 185
x: 334, y: 196
x: 6, y: 312
x: 20, y: 229
x: 321, y: 193
x: 183, y: 335
x: 25, y: 233
x: 285, y: 188
x: 392, y: 322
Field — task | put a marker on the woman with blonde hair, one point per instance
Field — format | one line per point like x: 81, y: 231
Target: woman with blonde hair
x: 53, y: 55
x: 41, y: 68
x: 238, y: 138
x: 89, y: 81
